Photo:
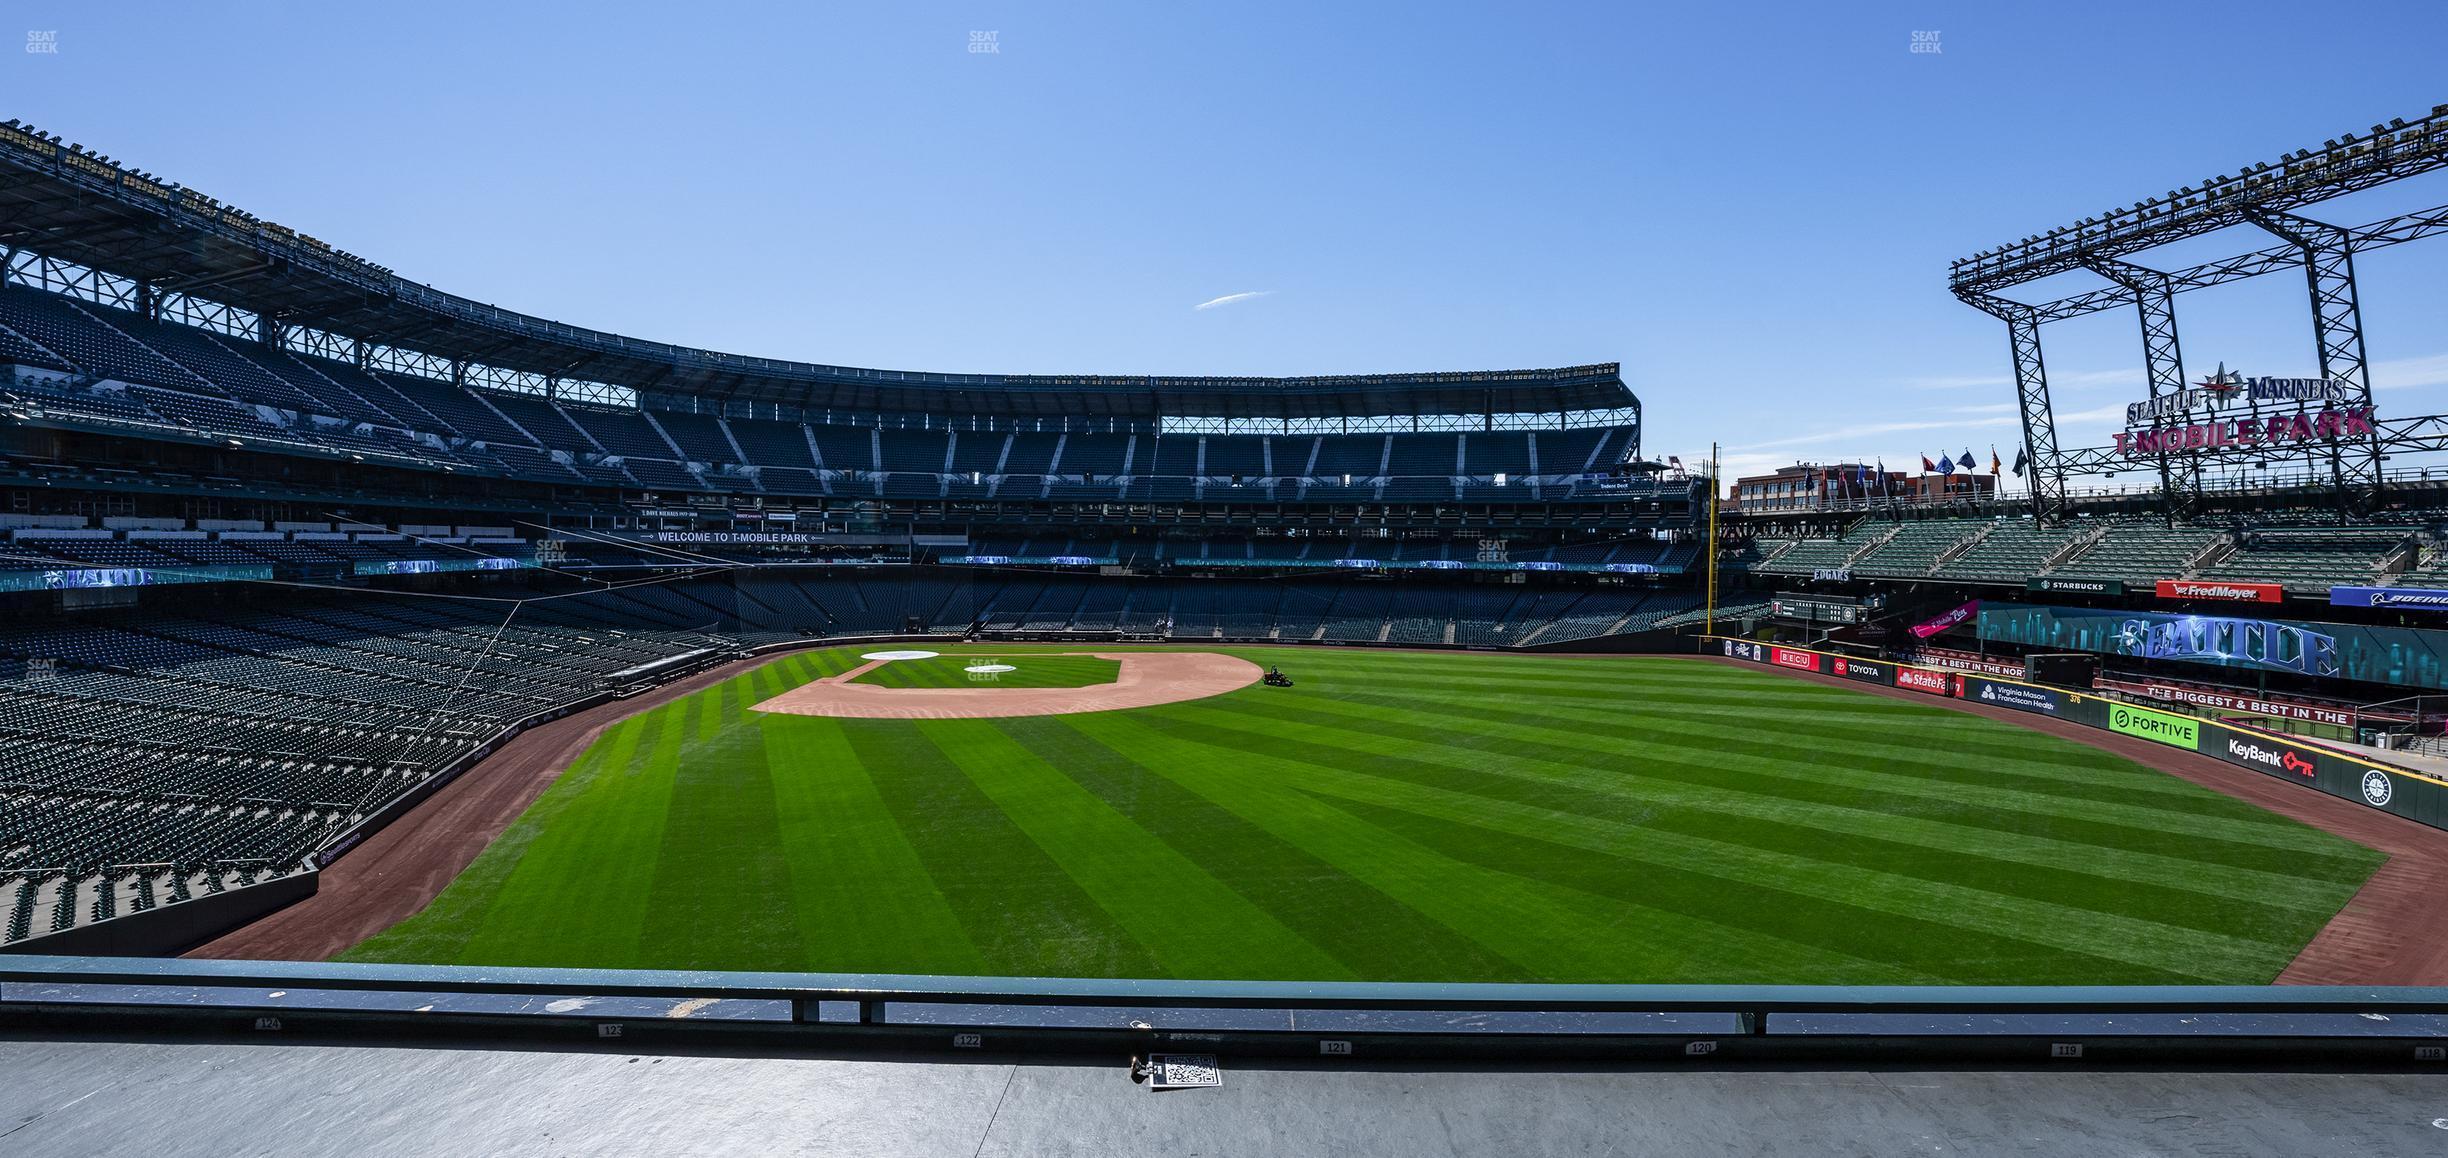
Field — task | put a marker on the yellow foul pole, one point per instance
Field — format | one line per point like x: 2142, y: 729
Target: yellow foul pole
x: 1710, y: 626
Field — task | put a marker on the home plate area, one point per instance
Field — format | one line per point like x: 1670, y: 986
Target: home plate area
x: 920, y: 685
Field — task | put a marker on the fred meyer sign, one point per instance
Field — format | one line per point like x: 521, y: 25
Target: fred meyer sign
x: 2157, y: 727
x: 2409, y: 598
x: 2221, y: 590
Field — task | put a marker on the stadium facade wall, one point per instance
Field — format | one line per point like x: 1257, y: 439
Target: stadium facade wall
x: 2413, y: 795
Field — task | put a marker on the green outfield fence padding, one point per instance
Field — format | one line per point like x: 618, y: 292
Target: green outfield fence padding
x: 2413, y: 795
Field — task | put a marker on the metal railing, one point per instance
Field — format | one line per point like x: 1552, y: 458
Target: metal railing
x: 1361, y: 1021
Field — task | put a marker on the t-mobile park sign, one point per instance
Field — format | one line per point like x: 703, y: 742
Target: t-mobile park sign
x: 2275, y: 430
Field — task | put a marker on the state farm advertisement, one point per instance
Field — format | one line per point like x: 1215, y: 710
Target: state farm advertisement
x: 1935, y: 683
x: 2221, y: 591
x: 1788, y: 657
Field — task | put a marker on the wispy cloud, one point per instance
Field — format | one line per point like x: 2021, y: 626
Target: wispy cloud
x: 2408, y: 373
x: 1957, y: 381
x: 2080, y: 380
x: 1875, y: 429
x: 1229, y: 299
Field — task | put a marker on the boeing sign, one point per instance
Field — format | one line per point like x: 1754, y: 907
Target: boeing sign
x: 2407, y: 598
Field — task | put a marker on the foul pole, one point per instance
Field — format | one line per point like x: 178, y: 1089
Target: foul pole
x: 1710, y: 617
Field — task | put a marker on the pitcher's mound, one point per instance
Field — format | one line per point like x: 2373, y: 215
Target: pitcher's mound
x: 1146, y: 679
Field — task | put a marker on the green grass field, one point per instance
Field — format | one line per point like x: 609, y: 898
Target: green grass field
x: 1397, y: 816
x: 1035, y: 671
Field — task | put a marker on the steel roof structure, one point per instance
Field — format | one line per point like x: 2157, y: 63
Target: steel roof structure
x: 70, y: 204
x: 2265, y: 196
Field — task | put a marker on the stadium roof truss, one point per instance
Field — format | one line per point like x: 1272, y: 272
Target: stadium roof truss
x: 2264, y: 196
x: 87, y: 219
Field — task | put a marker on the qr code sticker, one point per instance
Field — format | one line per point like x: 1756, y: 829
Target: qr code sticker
x: 1185, y: 1071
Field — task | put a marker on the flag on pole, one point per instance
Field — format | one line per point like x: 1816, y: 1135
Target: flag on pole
x: 1946, y: 466
x: 1926, y: 465
x: 1965, y: 461
x: 2022, y: 459
x: 1995, y: 464
x: 1882, y: 477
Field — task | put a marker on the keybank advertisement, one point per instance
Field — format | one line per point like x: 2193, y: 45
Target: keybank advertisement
x: 2406, y: 656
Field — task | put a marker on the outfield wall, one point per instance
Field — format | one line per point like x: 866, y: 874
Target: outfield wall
x: 2413, y: 795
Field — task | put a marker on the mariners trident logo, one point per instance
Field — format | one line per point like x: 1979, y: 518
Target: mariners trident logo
x: 2222, y: 387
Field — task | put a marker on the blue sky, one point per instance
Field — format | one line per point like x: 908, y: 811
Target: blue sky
x: 1752, y: 208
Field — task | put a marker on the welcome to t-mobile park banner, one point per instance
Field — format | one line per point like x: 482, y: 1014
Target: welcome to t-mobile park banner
x: 1950, y: 619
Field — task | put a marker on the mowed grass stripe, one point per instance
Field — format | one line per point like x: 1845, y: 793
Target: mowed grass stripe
x: 1032, y: 671
x: 1371, y: 934
x: 1797, y: 767
x: 863, y: 899
x: 2101, y: 883
x: 441, y: 932
x: 1974, y: 748
x: 1021, y: 910
x: 713, y: 903
x: 1559, y: 934
x: 2139, y: 942
x: 581, y: 892
x: 1939, y: 951
x: 1193, y: 924
x: 1784, y: 781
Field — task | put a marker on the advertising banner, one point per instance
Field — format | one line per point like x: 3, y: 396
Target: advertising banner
x: 2020, y: 697
x: 2249, y: 704
x: 2406, y: 598
x: 2405, y: 656
x: 1964, y: 661
x: 1919, y: 680
x: 1950, y: 619
x: 2263, y: 754
x: 2078, y: 586
x: 72, y: 579
x: 1867, y: 671
x: 1746, y: 649
x: 2221, y: 590
x: 2158, y: 727
x: 1794, y: 658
